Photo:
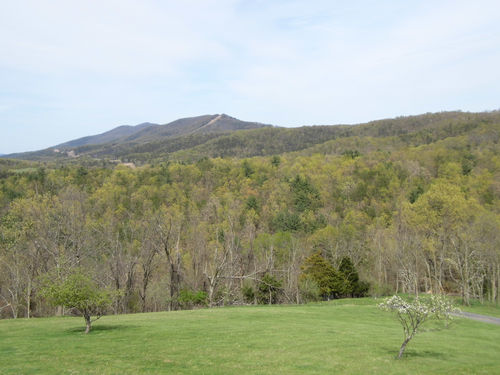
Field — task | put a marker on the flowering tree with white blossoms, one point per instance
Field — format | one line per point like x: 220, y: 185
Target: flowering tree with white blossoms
x: 412, y: 314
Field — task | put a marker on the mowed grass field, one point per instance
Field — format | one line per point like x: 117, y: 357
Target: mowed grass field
x: 486, y: 308
x: 341, y: 337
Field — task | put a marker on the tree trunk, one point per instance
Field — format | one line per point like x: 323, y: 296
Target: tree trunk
x: 143, y: 300
x: 403, y: 347
x: 211, y: 290
x: 28, y: 300
x: 118, y: 298
x: 88, y: 323
x: 497, y: 285
x: 174, y: 286
x: 147, y: 271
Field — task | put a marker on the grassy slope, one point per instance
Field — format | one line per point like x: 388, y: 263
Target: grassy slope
x: 343, y: 338
x: 485, y: 309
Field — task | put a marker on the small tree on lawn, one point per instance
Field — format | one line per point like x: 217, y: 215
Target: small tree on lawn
x: 79, y: 292
x: 412, y: 314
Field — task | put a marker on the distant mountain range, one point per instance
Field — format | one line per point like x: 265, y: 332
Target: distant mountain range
x: 148, y: 132
x: 220, y: 135
x: 110, y: 136
x: 113, y: 143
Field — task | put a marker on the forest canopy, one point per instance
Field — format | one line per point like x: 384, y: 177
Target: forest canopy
x: 414, y: 212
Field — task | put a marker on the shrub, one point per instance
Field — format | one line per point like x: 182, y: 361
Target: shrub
x: 188, y: 299
x: 309, y: 290
x: 268, y: 290
x: 248, y: 294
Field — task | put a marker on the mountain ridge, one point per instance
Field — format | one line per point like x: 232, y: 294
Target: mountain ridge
x: 132, y: 135
x: 193, y: 138
x: 108, y: 136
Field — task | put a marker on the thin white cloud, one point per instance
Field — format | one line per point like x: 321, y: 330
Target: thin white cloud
x: 115, y: 37
x: 92, y: 64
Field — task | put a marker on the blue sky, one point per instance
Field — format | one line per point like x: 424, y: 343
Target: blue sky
x: 75, y: 68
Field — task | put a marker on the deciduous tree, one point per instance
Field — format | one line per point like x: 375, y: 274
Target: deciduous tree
x: 78, y: 292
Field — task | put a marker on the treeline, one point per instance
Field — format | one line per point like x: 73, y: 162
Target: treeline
x: 407, y: 131
x: 181, y: 145
x: 359, y: 217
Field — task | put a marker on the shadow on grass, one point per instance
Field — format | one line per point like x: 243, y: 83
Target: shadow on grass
x: 424, y: 354
x: 412, y: 353
x: 102, y: 327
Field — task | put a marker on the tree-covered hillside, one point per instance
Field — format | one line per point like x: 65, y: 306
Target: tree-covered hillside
x: 192, y: 139
x: 411, y: 203
x: 126, y: 141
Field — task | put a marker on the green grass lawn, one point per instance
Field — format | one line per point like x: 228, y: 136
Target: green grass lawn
x: 485, y: 308
x: 342, y: 337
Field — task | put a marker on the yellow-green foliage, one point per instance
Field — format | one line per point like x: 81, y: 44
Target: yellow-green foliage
x: 414, y: 204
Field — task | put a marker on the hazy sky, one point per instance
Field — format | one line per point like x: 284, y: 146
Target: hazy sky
x: 72, y: 68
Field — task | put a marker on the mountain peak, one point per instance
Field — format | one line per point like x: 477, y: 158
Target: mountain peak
x: 146, y: 132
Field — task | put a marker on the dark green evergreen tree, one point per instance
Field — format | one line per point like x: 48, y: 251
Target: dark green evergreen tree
x: 331, y: 282
x: 354, y: 287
